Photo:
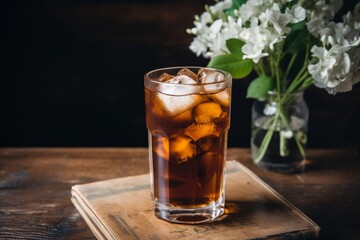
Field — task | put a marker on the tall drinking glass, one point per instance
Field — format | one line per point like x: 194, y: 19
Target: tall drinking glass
x: 188, y: 118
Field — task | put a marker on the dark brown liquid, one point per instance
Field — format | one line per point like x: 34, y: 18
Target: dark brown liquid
x: 188, y: 148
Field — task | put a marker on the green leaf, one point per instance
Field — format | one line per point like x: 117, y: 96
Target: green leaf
x: 234, y: 45
x: 238, y: 3
x: 235, y: 6
x: 298, y: 26
x: 259, y: 87
x: 232, y: 63
x: 297, y: 38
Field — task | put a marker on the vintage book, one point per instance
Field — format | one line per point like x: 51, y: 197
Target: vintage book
x: 121, y: 209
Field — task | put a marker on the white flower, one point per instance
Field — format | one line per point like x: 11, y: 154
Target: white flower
x: 268, y: 26
x: 198, y: 46
x: 205, y: 18
x: 314, y: 25
x: 209, y: 40
x: 279, y: 20
x: 218, y: 46
x: 332, y: 67
x: 334, y: 33
x: 255, y: 41
x: 297, y: 14
x: 343, y: 41
x: 263, y: 25
x: 232, y: 28
x: 352, y: 21
x: 319, y: 71
x: 220, y: 6
x: 252, y: 8
x: 354, y: 74
x: 320, y: 15
x: 253, y: 51
x: 215, y: 28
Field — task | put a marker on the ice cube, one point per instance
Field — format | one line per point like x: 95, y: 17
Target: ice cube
x: 175, y: 99
x: 187, y: 72
x: 209, y: 76
x: 164, y: 77
x: 160, y: 144
x: 206, y: 167
x: 176, y: 105
x: 184, y: 117
x: 182, y: 79
x: 208, y: 143
x: 222, y: 97
x: 182, y: 149
x: 173, y: 87
x: 200, y: 130
x: 206, y: 112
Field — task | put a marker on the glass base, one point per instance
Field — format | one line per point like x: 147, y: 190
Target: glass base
x: 292, y: 167
x: 190, y: 215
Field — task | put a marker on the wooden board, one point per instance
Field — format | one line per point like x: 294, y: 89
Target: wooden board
x: 121, y: 209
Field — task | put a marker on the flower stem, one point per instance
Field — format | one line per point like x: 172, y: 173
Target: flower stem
x: 285, y: 120
x: 300, y: 146
x: 265, y: 143
x: 281, y: 122
x: 259, y: 68
x: 299, y: 84
x: 292, y: 60
x: 306, y: 83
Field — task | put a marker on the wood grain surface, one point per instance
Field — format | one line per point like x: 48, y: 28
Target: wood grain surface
x: 35, y: 188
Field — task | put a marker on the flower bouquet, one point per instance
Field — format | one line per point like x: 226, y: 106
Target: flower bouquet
x: 290, y: 45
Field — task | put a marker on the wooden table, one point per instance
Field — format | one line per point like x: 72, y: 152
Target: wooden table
x: 35, y: 188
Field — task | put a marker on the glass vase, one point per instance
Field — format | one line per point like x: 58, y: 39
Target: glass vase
x: 279, y: 132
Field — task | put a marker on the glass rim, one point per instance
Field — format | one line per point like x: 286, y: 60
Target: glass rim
x: 227, y: 76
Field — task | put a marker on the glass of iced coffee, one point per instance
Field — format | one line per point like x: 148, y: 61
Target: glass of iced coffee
x: 188, y: 118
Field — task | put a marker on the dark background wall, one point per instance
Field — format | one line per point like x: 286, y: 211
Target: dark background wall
x: 71, y: 74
